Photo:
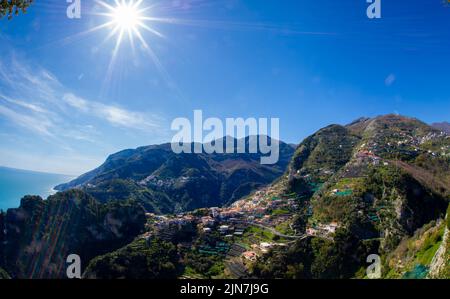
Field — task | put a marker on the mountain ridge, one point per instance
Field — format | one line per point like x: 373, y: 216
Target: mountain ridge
x: 155, y: 176
x: 375, y: 186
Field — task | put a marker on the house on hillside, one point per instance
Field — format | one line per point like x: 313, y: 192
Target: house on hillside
x: 323, y: 230
x: 207, y: 221
x: 265, y: 247
x: 250, y: 256
x: 224, y: 229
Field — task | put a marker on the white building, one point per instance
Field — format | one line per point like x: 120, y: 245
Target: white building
x: 224, y: 228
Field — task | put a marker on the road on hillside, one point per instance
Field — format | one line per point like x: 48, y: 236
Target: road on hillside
x: 277, y: 233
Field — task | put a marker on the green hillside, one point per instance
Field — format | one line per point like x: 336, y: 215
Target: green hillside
x: 384, y: 182
x: 376, y: 186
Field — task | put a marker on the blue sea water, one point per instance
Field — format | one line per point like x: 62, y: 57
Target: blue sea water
x: 15, y: 183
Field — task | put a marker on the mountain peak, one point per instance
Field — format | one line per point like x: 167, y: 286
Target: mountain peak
x: 164, y: 181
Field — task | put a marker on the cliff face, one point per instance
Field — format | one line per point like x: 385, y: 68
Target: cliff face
x: 440, y: 263
x: 39, y: 235
x: 3, y: 274
x: 421, y: 255
x: 2, y: 239
x: 155, y: 259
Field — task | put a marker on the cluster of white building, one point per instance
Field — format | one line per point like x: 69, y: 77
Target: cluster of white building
x: 322, y: 230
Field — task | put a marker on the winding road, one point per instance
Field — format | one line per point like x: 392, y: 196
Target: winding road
x: 277, y: 233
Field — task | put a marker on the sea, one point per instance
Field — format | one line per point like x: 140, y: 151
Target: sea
x: 16, y: 183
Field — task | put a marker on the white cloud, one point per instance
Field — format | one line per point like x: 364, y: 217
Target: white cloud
x: 30, y: 106
x: 57, y: 123
x: 31, y: 84
x: 35, y: 124
x: 76, y: 102
x: 114, y: 115
x: 31, y: 93
x: 390, y: 80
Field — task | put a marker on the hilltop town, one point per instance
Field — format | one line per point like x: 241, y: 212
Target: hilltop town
x: 242, y: 232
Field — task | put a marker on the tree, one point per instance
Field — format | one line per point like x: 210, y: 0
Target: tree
x: 10, y: 8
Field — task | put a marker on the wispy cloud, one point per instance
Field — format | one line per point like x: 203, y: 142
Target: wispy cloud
x: 390, y: 80
x: 116, y: 116
x: 34, y: 84
x: 30, y: 106
x: 43, y: 112
x: 34, y: 99
x: 35, y: 124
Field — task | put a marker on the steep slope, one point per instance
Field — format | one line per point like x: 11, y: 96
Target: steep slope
x: 3, y: 274
x: 320, y: 156
x: 165, y: 182
x: 156, y: 259
x: 39, y: 235
x: 395, y: 179
x: 378, y: 180
x: 425, y: 253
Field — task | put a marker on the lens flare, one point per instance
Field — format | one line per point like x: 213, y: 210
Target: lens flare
x: 127, y: 17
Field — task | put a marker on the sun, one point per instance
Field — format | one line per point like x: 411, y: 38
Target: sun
x: 126, y: 17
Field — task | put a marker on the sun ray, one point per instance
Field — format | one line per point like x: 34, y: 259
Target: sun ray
x: 126, y: 19
x: 112, y: 62
x: 110, y: 35
x: 224, y: 25
x: 161, y: 69
x: 127, y: 15
x: 155, y: 32
x: 104, y: 4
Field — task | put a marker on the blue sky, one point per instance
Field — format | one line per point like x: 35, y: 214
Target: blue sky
x: 63, y: 108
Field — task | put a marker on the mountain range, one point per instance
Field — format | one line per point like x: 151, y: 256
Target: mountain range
x: 375, y: 186
x: 165, y: 182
